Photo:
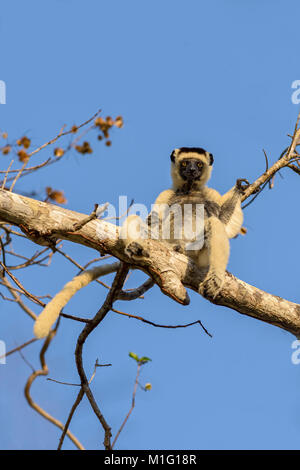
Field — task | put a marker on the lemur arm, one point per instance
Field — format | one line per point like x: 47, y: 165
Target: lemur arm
x: 231, y: 213
x: 218, y: 230
x: 158, y: 210
x: 160, y: 202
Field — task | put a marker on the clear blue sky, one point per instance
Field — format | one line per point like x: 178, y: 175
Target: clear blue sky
x: 213, y: 74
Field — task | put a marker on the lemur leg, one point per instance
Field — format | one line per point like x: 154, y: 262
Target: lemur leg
x: 217, y: 252
x: 134, y: 231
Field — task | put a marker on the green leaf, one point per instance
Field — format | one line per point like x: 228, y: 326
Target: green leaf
x: 145, y: 359
x: 134, y: 356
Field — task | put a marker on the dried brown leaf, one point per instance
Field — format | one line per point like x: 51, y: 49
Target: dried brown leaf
x: 58, y: 152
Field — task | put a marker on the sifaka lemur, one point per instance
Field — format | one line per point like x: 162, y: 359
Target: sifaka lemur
x: 223, y: 217
x: 190, y: 170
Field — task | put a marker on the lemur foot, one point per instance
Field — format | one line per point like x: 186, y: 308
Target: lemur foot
x: 135, y: 249
x: 240, y: 186
x: 211, y: 286
x: 178, y: 249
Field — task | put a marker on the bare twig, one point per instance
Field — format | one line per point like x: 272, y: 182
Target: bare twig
x: 13, y: 292
x: 62, y: 134
x: 75, y: 405
x: 32, y: 168
x: 122, y: 215
x: 6, y: 174
x: 96, y: 213
x: 28, y: 294
x: 282, y: 162
x: 197, y: 322
x: 136, y: 293
x: 89, y: 327
x: 63, y: 383
x: 72, y: 317
x: 50, y: 142
x: 18, y: 348
x: 35, y: 406
x: 132, y: 404
x: 73, y: 409
x: 79, y: 266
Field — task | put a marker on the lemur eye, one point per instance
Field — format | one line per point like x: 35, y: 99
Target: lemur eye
x: 183, y: 164
x: 199, y: 165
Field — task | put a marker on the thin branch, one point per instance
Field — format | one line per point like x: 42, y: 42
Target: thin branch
x: 62, y: 134
x: 12, y: 290
x: 35, y: 406
x: 18, y: 348
x: 162, y: 326
x: 294, y: 168
x: 75, y: 405
x: 32, y: 168
x: 18, y: 176
x: 31, y: 261
x: 96, y: 213
x: 136, y: 293
x: 63, y: 383
x: 282, y: 162
x: 266, y: 159
x: 122, y: 215
x: 79, y: 266
x: 89, y: 327
x: 95, y: 260
x: 132, y: 405
x: 72, y: 317
x: 50, y: 142
x: 6, y: 174
x: 73, y: 409
x: 28, y: 294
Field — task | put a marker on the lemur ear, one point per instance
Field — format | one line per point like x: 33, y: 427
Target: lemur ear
x: 173, y: 155
x: 211, y: 159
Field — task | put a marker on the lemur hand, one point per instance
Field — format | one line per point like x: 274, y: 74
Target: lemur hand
x: 136, y: 249
x: 240, y: 186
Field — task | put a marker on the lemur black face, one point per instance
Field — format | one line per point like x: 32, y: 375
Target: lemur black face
x: 198, y: 150
x: 191, y: 169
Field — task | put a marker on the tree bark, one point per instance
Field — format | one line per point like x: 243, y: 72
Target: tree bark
x: 44, y: 223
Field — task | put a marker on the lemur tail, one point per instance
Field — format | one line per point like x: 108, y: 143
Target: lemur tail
x: 49, y: 315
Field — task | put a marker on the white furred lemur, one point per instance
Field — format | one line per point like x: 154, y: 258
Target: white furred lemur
x: 223, y: 217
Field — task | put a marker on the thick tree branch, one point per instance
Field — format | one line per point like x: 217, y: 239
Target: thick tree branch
x: 43, y: 223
